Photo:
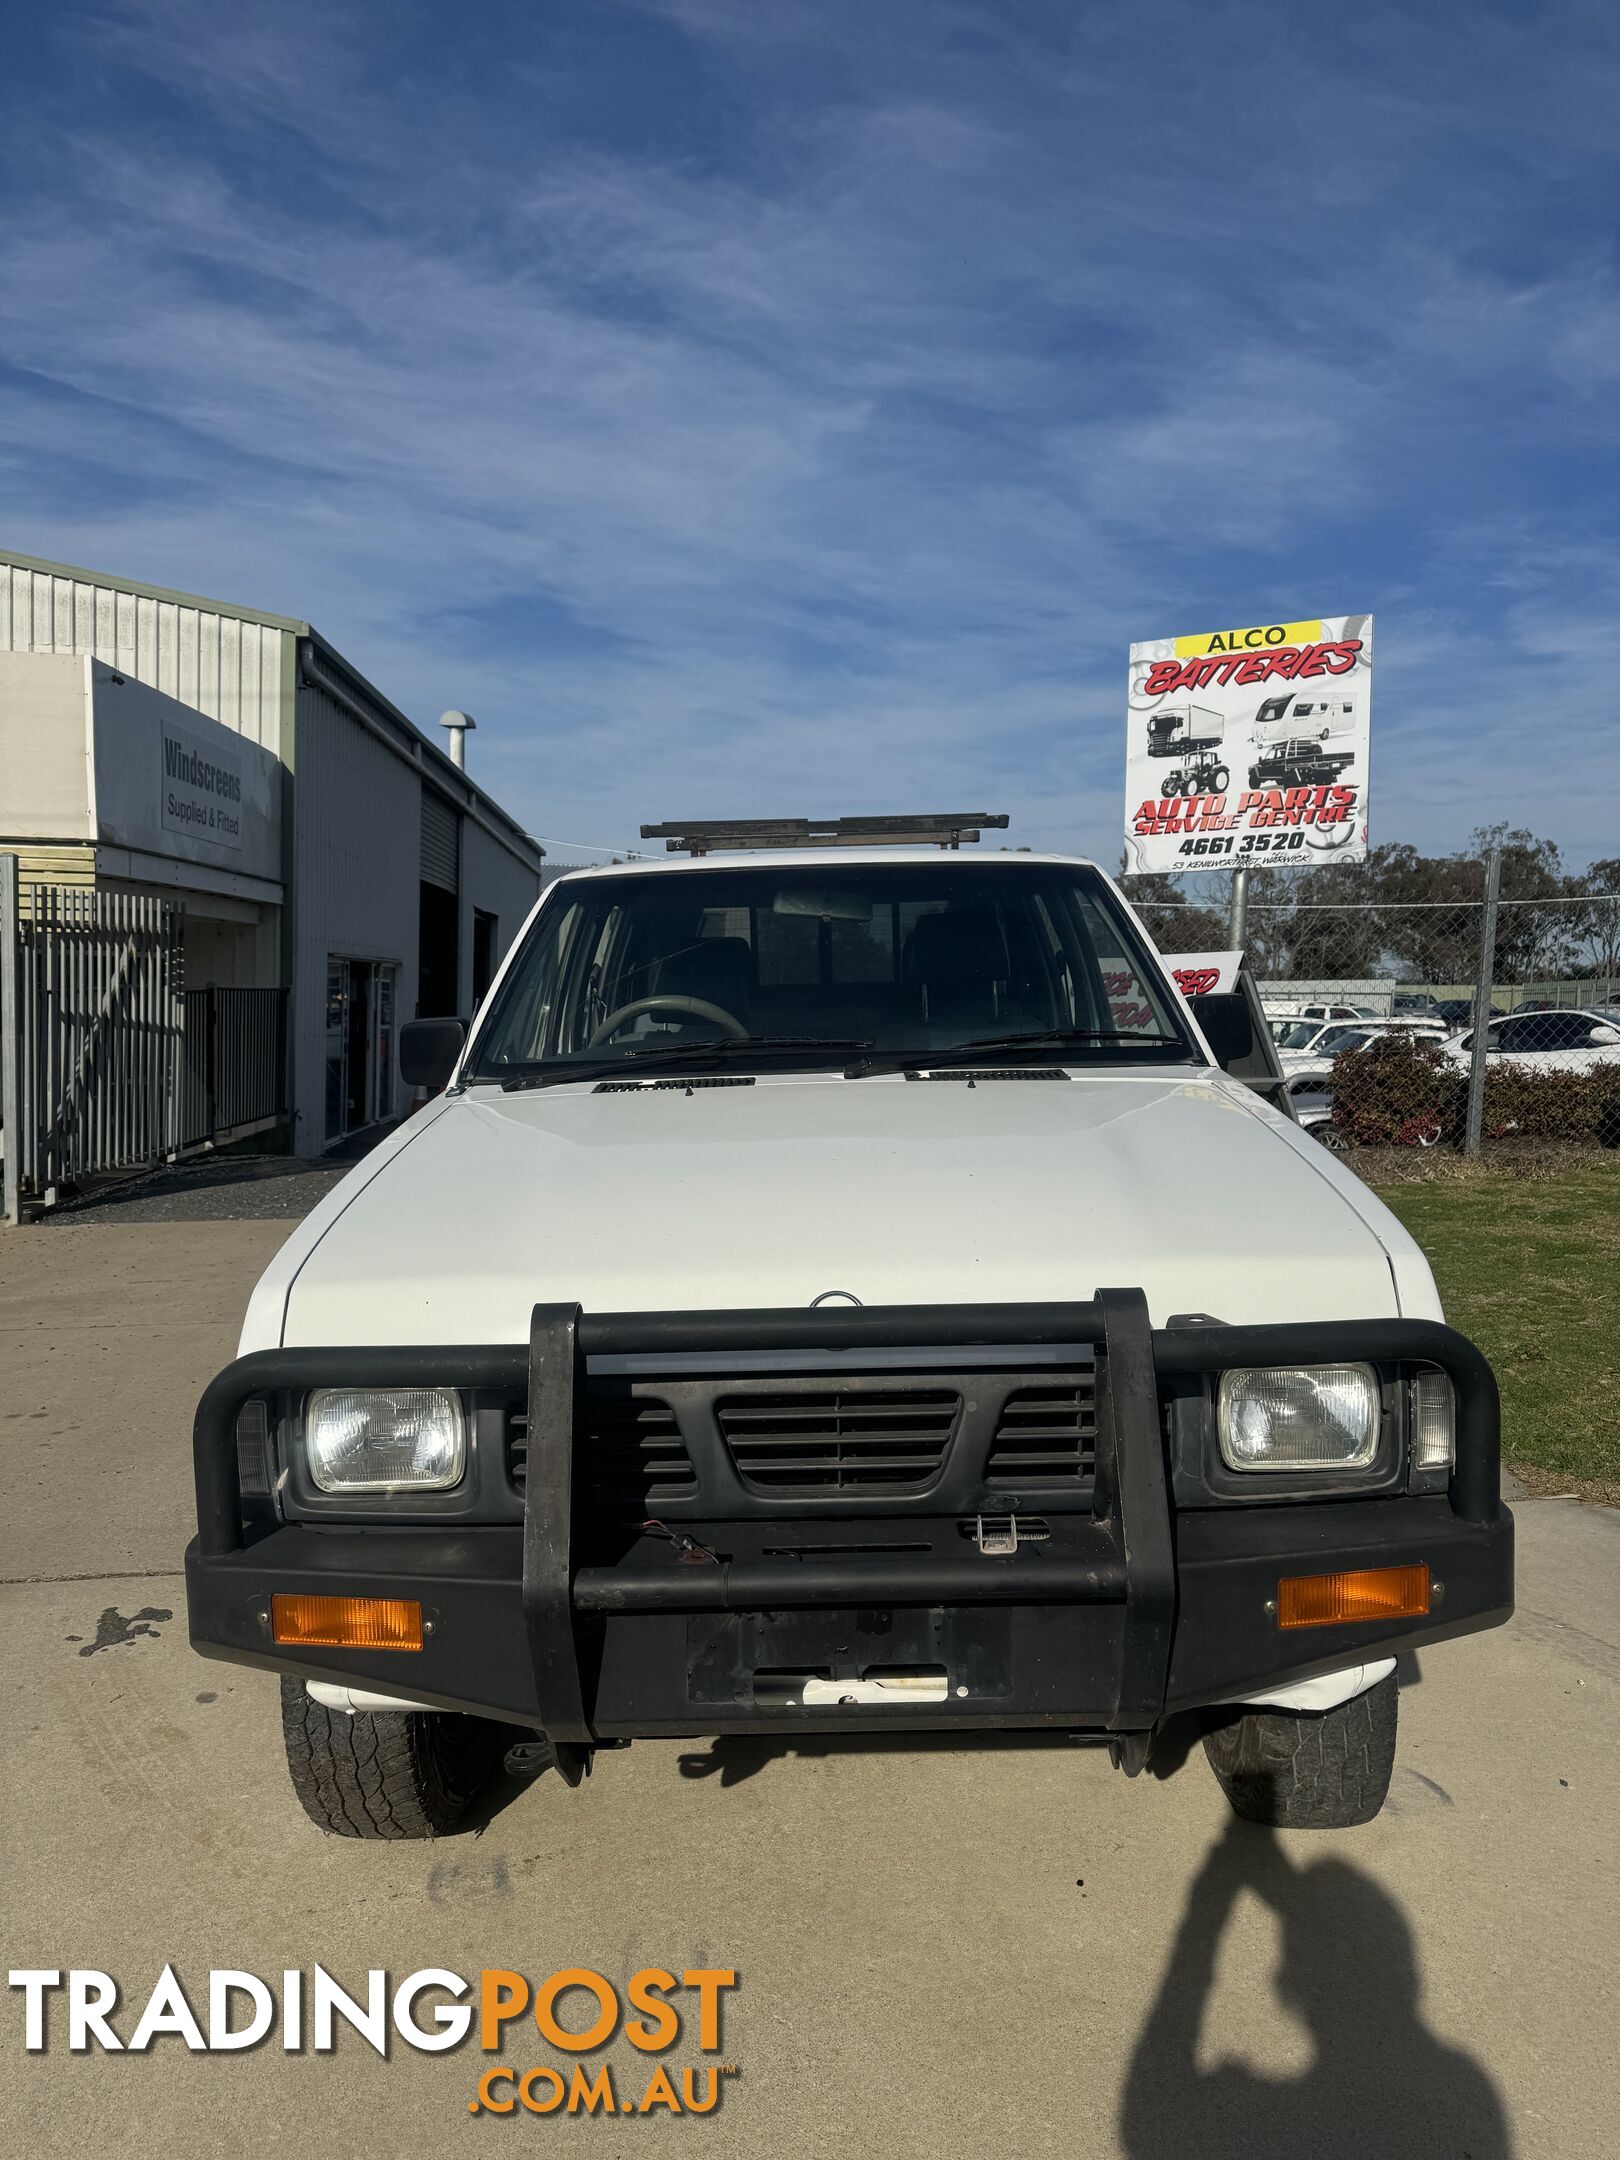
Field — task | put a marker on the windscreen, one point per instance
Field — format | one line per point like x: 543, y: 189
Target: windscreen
x: 824, y: 961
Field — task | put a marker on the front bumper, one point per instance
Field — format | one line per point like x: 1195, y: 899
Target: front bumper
x: 1128, y: 1609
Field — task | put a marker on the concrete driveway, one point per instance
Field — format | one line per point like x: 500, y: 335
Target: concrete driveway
x: 1007, y: 1949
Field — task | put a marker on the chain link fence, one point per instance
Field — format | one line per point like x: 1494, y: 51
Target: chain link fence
x: 1376, y: 1010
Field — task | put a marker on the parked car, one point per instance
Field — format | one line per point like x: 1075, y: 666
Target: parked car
x: 1567, y: 1039
x: 1312, y: 1105
x: 1296, y: 1037
x: 1296, y: 1016
x: 788, y: 1318
x: 1314, y: 1063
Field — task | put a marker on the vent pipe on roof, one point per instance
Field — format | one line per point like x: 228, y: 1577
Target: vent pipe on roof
x: 458, y: 723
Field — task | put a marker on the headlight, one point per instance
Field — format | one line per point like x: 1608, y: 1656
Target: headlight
x: 1312, y: 1417
x: 380, y: 1439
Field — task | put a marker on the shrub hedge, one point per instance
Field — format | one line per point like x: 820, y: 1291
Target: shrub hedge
x: 1400, y: 1091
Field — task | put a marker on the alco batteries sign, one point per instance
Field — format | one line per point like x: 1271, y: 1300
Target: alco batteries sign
x: 1249, y: 746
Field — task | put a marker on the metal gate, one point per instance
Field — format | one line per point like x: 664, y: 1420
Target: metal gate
x: 91, y: 1033
x: 107, y: 1063
x: 234, y: 1070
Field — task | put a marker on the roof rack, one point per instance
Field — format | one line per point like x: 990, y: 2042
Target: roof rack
x: 946, y: 829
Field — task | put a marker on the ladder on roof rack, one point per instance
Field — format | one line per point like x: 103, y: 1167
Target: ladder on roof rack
x: 946, y: 829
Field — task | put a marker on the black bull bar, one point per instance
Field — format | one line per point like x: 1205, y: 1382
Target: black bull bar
x: 1133, y: 1555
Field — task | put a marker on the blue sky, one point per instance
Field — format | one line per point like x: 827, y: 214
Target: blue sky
x: 774, y: 406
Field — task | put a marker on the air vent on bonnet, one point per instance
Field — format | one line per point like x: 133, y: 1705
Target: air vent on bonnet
x: 1046, y: 1435
x: 992, y: 1072
x: 630, y: 1453
x: 656, y: 1087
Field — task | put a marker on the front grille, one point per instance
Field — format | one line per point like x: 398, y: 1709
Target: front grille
x: 630, y: 1454
x: 1046, y: 1435
x: 844, y: 1440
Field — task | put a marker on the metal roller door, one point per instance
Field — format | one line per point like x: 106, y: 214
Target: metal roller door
x: 441, y: 843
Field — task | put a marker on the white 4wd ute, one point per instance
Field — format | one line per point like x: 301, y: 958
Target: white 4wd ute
x: 837, y: 1290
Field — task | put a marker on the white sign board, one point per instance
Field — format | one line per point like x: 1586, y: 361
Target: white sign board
x: 1195, y: 975
x: 167, y: 781
x: 201, y: 785
x: 1198, y: 974
x: 1249, y: 746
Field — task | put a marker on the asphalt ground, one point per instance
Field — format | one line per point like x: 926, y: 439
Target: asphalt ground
x: 939, y: 1950
x: 212, y: 1188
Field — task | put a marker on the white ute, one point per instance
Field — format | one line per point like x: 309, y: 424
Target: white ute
x: 734, y: 1345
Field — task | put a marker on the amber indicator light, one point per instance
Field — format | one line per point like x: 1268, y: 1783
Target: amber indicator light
x: 346, y: 1623
x: 1385, y: 1593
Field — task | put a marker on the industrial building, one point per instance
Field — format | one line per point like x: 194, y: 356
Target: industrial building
x: 307, y: 839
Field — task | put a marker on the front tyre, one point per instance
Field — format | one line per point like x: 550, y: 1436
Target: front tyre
x: 384, y: 1773
x: 1309, y: 1770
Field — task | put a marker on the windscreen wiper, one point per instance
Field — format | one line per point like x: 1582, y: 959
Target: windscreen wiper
x: 982, y: 1046
x: 721, y: 1049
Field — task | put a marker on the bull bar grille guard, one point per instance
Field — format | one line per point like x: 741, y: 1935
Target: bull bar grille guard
x: 1128, y: 1553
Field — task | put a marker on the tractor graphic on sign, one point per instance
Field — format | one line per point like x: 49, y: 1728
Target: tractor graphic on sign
x: 1192, y: 735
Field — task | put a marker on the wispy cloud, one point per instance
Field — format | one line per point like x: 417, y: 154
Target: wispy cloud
x: 747, y: 409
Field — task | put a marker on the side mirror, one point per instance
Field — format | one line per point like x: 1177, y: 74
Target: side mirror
x: 428, y: 1050
x: 1604, y: 1036
x: 1224, y: 1017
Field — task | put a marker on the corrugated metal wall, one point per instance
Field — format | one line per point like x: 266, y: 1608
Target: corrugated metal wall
x: 495, y: 880
x: 358, y: 824
x: 225, y: 665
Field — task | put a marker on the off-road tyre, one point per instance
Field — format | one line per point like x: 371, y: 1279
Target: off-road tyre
x: 384, y: 1773
x: 1309, y: 1770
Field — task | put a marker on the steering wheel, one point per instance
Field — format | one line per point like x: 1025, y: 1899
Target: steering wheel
x: 700, y: 1008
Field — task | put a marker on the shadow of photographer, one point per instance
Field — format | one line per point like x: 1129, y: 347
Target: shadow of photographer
x: 1382, y: 2085
x: 733, y: 1758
